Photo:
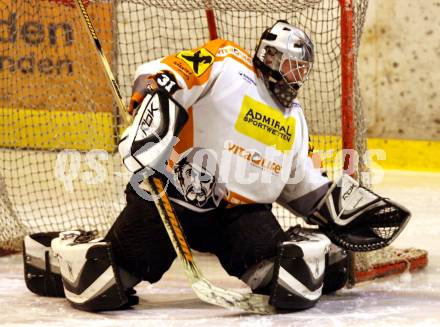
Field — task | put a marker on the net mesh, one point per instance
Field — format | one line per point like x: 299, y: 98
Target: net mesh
x: 58, y: 123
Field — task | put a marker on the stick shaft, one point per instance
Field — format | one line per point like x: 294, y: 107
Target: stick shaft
x: 105, y: 64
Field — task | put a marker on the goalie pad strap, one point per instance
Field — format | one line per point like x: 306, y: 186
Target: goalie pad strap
x: 41, y: 268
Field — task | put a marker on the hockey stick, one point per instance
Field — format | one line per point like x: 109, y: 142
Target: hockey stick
x: 202, y: 287
x: 105, y: 64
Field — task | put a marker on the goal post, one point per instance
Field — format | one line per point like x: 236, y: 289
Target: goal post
x: 59, y: 125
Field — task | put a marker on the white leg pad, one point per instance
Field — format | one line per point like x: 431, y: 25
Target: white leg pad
x: 90, y: 278
x: 299, y: 272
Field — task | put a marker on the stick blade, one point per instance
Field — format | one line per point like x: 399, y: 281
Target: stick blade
x: 248, y: 302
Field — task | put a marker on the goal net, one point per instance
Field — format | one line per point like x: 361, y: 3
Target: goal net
x: 59, y: 126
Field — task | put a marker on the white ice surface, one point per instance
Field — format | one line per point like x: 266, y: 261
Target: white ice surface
x: 393, y: 301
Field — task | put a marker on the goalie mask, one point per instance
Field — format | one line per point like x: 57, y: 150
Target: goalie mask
x: 284, y: 56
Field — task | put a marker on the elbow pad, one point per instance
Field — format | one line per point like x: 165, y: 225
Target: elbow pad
x: 148, y: 142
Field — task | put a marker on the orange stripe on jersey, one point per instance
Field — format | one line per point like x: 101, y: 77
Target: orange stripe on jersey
x: 236, y: 199
x: 186, y: 135
x: 182, y: 69
x: 195, y: 66
x: 232, y: 50
x: 186, y: 140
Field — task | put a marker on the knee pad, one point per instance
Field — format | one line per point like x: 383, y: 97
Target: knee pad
x: 41, y: 268
x: 299, y: 268
x: 91, y: 280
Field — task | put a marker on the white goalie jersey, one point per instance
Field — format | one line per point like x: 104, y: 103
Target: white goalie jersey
x: 238, y: 146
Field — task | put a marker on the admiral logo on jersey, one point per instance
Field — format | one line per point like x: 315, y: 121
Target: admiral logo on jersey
x: 266, y: 124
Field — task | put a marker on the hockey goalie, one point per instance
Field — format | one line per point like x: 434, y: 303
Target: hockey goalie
x: 228, y: 138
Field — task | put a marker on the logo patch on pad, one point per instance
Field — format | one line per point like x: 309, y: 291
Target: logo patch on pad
x: 266, y: 124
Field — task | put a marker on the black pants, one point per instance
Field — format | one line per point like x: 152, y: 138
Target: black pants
x: 240, y: 237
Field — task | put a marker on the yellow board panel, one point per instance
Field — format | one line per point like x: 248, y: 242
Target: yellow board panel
x: 416, y: 155
x: 326, y: 150
x: 60, y: 129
